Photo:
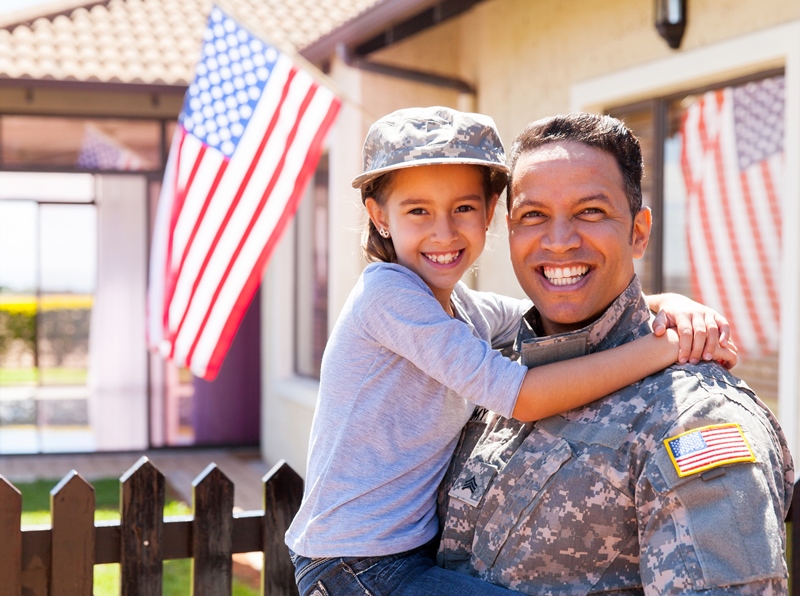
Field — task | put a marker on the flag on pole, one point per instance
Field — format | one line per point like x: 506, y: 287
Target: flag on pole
x: 248, y: 140
x: 732, y: 163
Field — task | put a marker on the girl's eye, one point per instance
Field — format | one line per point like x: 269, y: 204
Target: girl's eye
x: 464, y: 208
x: 417, y: 211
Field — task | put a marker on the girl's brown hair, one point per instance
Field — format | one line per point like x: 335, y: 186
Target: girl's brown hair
x: 378, y: 248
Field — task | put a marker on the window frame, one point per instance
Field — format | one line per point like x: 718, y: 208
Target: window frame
x: 744, y: 55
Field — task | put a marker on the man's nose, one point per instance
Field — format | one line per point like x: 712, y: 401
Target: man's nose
x: 561, y: 236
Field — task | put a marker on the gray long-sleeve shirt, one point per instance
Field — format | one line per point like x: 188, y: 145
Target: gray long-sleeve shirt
x: 399, y: 380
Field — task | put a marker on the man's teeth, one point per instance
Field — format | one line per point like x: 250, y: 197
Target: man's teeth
x: 565, y: 276
x: 444, y: 259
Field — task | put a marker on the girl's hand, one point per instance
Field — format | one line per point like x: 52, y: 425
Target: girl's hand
x: 726, y: 355
x: 704, y: 333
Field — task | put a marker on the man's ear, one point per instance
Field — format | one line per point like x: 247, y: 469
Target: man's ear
x: 376, y: 214
x: 640, y: 236
x: 490, y: 207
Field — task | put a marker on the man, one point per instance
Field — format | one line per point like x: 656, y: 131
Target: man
x: 676, y: 484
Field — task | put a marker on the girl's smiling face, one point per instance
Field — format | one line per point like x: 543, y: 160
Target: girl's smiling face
x: 437, y: 216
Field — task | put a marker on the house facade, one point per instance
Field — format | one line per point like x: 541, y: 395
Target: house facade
x: 526, y: 59
x: 725, y: 234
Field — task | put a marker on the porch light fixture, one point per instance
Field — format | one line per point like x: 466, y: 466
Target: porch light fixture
x: 671, y: 21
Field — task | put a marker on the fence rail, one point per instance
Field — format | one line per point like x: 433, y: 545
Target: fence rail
x: 60, y: 560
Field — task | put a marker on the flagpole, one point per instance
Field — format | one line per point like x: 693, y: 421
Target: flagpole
x: 289, y: 51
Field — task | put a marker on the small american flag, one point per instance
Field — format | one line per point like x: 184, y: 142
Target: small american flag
x: 708, y: 447
x: 248, y: 140
x: 732, y: 162
x: 100, y: 151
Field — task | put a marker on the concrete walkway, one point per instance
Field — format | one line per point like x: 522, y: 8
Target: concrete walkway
x: 243, y: 466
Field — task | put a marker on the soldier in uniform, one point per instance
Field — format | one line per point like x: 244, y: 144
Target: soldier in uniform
x: 676, y: 484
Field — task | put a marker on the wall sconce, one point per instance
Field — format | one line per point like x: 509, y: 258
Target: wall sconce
x: 671, y: 21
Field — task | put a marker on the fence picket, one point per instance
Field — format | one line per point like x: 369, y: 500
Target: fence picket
x: 142, y: 513
x: 11, y: 544
x: 283, y: 491
x: 72, y: 561
x: 212, y: 537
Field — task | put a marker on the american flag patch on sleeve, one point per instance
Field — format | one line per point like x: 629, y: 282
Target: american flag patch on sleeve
x: 704, y: 448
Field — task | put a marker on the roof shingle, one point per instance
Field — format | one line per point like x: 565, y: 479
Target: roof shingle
x: 150, y: 41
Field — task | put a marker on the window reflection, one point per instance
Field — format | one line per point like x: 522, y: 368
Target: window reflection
x: 80, y: 143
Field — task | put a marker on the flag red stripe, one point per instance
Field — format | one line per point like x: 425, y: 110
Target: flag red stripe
x: 769, y: 282
x: 741, y: 274
x: 772, y: 197
x: 231, y: 209
x: 720, y: 458
x: 197, y: 222
x: 700, y: 196
x: 177, y: 203
x: 267, y: 192
x: 251, y: 285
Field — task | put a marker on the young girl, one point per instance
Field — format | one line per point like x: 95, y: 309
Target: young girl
x: 411, y: 356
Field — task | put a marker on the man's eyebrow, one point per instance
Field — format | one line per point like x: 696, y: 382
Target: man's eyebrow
x: 603, y: 198
x: 531, y: 202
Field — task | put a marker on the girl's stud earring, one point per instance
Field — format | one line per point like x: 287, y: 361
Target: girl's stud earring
x: 383, y: 232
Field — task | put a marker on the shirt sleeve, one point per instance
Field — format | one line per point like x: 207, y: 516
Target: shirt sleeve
x: 499, y: 315
x: 398, y: 312
x: 720, y: 530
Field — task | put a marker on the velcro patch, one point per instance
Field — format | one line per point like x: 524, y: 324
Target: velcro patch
x: 473, y: 481
x: 708, y: 447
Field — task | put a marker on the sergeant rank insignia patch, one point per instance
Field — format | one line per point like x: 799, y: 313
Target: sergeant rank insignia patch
x: 708, y: 447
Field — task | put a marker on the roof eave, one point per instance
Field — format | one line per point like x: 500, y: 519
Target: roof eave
x: 95, y: 85
x: 363, y: 27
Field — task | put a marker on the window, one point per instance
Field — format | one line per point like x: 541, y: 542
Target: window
x: 311, y: 279
x: 48, y: 272
x: 713, y: 167
x: 80, y: 144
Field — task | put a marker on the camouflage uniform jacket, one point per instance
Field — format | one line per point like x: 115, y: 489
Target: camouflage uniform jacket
x: 590, y: 501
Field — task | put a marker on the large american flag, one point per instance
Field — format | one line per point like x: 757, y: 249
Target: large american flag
x: 732, y: 162
x: 249, y: 137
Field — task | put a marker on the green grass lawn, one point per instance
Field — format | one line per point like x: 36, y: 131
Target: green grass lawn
x: 45, y: 376
x: 177, y: 573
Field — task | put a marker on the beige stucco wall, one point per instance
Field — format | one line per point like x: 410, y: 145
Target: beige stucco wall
x: 526, y: 56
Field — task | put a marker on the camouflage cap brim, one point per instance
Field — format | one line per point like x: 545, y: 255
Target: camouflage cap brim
x: 367, y: 177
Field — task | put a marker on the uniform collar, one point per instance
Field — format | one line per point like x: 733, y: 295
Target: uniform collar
x: 626, y: 319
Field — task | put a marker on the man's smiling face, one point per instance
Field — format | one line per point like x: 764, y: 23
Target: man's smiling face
x: 572, y: 236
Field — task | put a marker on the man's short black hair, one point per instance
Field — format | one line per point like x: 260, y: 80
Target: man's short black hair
x: 602, y: 132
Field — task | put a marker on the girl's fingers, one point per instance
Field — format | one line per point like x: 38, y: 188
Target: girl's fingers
x: 689, y: 331
x: 660, y: 323
x: 724, y: 329
x: 712, y: 337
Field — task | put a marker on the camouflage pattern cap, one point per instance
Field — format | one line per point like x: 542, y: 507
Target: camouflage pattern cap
x: 425, y: 136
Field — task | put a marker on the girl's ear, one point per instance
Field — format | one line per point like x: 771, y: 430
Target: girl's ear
x: 490, y: 207
x: 376, y: 214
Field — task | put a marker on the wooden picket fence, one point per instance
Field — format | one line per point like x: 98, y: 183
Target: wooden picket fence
x: 60, y: 560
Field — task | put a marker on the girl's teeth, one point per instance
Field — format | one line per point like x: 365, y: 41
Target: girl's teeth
x: 444, y: 259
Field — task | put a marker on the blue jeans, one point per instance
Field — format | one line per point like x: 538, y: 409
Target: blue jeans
x: 412, y: 573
